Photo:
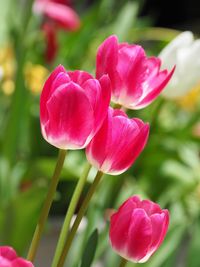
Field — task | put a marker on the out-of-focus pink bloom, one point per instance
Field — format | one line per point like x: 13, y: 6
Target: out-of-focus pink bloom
x: 118, y: 143
x: 138, y: 228
x: 58, y: 12
x: 51, y: 42
x: 73, y: 106
x: 9, y: 258
x: 136, y: 79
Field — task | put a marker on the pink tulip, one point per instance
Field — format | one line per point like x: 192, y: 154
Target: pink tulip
x: 58, y: 12
x: 118, y: 143
x: 138, y: 228
x: 9, y: 258
x: 73, y: 106
x: 136, y: 79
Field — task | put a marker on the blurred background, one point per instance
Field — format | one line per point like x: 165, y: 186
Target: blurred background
x: 168, y: 171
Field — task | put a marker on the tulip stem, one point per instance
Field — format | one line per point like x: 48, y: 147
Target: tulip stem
x: 117, y: 106
x: 80, y: 215
x: 69, y: 214
x: 156, y: 113
x: 123, y: 262
x: 46, y: 206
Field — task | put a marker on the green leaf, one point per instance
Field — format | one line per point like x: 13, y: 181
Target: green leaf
x: 125, y: 20
x: 90, y: 250
x: 23, y: 215
x: 193, y: 259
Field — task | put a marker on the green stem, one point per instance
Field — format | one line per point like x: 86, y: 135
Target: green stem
x: 156, y: 112
x: 70, y: 213
x: 123, y: 262
x: 78, y: 218
x: 117, y: 106
x: 46, y: 207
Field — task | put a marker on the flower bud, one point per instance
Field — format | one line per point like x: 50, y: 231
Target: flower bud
x: 136, y: 79
x: 73, y: 106
x: 9, y: 258
x: 118, y: 143
x: 138, y: 228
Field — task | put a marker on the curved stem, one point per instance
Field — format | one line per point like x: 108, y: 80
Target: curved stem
x: 123, y: 262
x: 46, y: 207
x: 70, y: 213
x: 78, y: 218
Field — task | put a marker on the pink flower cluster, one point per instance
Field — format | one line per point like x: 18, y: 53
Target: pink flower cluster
x: 75, y: 114
x: 9, y: 258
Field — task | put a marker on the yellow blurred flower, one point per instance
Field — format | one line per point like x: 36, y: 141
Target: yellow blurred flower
x: 7, y: 61
x: 191, y: 99
x: 8, y: 87
x: 35, y: 76
x: 7, y: 66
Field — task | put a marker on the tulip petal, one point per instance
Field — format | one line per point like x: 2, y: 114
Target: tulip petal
x: 107, y: 60
x: 70, y: 117
x: 130, y: 150
x: 131, y: 69
x: 47, y: 91
x: 157, y: 85
x: 150, y: 207
x: 79, y: 77
x: 119, y: 226
x: 160, y: 223
x: 139, y: 235
x: 8, y: 252
x: 19, y: 262
x: 99, y: 94
x: 63, y: 15
x: 96, y: 151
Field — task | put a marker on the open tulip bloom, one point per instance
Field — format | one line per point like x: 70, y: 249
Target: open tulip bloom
x: 118, y: 143
x: 138, y: 228
x: 184, y: 52
x: 9, y: 258
x: 73, y: 106
x: 136, y: 79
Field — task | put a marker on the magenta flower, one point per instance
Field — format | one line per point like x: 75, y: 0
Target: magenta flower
x: 138, y: 228
x: 136, y: 79
x: 118, y: 143
x: 59, y: 13
x: 73, y: 106
x: 9, y: 258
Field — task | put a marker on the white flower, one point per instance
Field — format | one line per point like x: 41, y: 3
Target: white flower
x: 184, y: 52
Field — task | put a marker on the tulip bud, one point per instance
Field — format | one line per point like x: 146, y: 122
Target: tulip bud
x: 183, y: 52
x: 73, y: 106
x: 138, y: 228
x: 118, y: 143
x: 8, y: 258
x: 136, y: 79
